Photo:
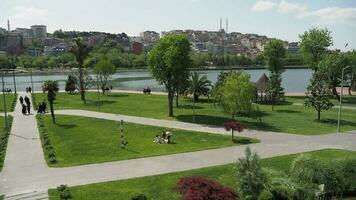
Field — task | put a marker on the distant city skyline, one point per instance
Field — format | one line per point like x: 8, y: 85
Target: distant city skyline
x: 274, y: 18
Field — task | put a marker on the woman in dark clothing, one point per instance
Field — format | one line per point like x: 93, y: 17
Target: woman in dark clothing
x: 21, y: 100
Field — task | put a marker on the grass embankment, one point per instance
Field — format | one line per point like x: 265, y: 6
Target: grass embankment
x: 4, y: 138
x: 84, y: 140
x: 286, y: 118
x: 160, y: 187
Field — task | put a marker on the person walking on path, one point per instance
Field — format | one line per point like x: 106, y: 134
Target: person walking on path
x: 21, y: 100
x: 29, y: 89
x: 23, y: 109
x: 28, y: 104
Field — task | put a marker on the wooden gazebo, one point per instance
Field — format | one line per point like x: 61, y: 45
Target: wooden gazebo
x: 262, y: 85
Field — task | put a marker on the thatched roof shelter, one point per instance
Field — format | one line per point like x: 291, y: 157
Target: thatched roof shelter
x: 263, y: 83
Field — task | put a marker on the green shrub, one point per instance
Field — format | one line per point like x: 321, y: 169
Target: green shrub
x: 64, y: 193
x: 251, y: 178
x: 282, y: 193
x: 265, y: 195
x: 306, y: 169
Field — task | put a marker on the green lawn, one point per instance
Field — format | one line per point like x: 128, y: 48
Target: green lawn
x: 346, y: 100
x: 160, y: 187
x: 286, y: 118
x: 83, y: 140
x: 9, y: 101
x: 3, y: 139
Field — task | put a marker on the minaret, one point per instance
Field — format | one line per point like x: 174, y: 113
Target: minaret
x: 227, y: 25
x: 8, y: 25
x: 220, y: 23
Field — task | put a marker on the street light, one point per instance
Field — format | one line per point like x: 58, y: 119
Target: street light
x: 340, y: 103
x: 3, y: 94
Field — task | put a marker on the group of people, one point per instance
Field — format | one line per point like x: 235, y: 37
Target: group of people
x: 42, y: 107
x: 26, y: 105
x: 8, y: 90
x: 163, y: 138
x: 146, y: 90
x: 28, y: 89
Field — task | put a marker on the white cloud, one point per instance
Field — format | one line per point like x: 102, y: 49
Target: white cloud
x: 263, y: 5
x: 332, y: 15
x: 329, y: 15
x: 25, y: 16
x: 286, y: 7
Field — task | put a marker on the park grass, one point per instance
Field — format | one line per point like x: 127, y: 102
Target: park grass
x: 287, y: 118
x: 4, y: 137
x: 346, y: 100
x: 160, y: 187
x: 1, y: 197
x: 84, y: 140
x: 10, y: 100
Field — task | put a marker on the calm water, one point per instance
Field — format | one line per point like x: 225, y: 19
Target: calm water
x: 294, y: 80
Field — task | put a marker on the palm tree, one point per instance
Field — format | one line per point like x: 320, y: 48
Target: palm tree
x: 198, y: 85
x: 51, y: 87
x: 80, y: 51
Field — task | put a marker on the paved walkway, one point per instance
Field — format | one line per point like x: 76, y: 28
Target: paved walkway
x: 26, y: 171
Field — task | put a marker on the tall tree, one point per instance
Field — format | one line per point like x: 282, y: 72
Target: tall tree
x: 318, y: 94
x: 104, y: 69
x: 313, y: 46
x: 169, y: 62
x: 331, y: 65
x: 274, y: 54
x: 237, y: 94
x: 51, y: 87
x: 80, y: 50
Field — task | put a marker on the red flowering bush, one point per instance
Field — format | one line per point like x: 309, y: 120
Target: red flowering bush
x: 234, y: 126
x: 199, y: 188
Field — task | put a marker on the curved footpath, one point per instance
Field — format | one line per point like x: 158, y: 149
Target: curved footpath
x: 25, y: 168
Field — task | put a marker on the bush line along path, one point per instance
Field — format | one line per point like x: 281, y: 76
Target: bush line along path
x: 25, y: 169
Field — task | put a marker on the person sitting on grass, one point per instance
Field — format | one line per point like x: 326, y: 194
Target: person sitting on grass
x: 157, y: 139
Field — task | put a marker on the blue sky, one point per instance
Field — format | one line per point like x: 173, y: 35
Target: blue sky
x: 284, y: 19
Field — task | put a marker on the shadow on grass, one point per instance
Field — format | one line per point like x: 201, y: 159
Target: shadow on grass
x: 334, y: 122
x: 132, y: 151
x: 115, y: 95
x: 219, y: 121
x: 188, y: 106
x: 67, y: 126
x: 287, y: 111
x: 102, y: 102
x: 242, y: 141
x: 281, y: 103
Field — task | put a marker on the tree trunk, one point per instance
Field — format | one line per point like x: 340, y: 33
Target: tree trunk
x: 82, y: 89
x: 318, y: 115
x: 52, y: 111
x: 177, y: 97
x: 232, y: 130
x: 335, y: 93
x: 193, y: 111
x: 170, y: 102
x: 196, y: 97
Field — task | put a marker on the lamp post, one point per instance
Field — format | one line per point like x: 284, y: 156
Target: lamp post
x: 13, y: 73
x: 33, y: 89
x: 3, y: 94
x: 340, y: 103
x: 97, y: 81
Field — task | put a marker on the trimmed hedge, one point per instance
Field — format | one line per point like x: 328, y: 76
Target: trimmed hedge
x: 4, y: 140
x: 49, y: 151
